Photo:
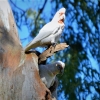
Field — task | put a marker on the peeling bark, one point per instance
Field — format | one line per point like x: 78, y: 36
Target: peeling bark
x: 19, y: 77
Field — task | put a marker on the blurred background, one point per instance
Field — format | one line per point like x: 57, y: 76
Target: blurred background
x: 81, y: 78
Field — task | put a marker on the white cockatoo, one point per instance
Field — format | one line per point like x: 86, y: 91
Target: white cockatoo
x: 50, y: 33
x: 48, y: 72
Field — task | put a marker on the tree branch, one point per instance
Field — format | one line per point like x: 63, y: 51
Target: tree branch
x: 50, y: 51
x: 40, y: 11
x: 17, y: 6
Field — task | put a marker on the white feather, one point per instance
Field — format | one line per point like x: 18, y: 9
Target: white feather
x: 50, y: 33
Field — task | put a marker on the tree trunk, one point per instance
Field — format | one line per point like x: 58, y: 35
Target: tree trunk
x: 19, y: 77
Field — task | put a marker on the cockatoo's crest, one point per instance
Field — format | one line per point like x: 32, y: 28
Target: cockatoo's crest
x: 59, y: 16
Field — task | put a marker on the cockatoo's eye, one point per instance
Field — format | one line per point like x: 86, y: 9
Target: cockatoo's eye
x: 61, y: 13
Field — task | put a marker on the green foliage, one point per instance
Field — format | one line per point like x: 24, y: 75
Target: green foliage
x: 79, y: 76
x: 35, y: 22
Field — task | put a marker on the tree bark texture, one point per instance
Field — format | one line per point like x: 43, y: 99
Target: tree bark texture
x: 19, y: 77
x: 50, y: 51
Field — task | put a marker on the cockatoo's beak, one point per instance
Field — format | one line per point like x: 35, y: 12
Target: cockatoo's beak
x: 61, y: 69
x: 62, y: 18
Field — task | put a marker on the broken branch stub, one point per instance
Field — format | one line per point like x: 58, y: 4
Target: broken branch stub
x: 50, y: 51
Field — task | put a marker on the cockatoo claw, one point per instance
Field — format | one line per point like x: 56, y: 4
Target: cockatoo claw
x: 54, y: 44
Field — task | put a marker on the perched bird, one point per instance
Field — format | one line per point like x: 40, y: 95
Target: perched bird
x: 48, y: 72
x: 50, y: 33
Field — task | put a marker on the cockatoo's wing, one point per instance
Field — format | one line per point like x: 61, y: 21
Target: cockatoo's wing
x: 47, y: 30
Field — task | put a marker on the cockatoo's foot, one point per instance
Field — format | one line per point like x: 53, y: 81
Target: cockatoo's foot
x: 54, y: 44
